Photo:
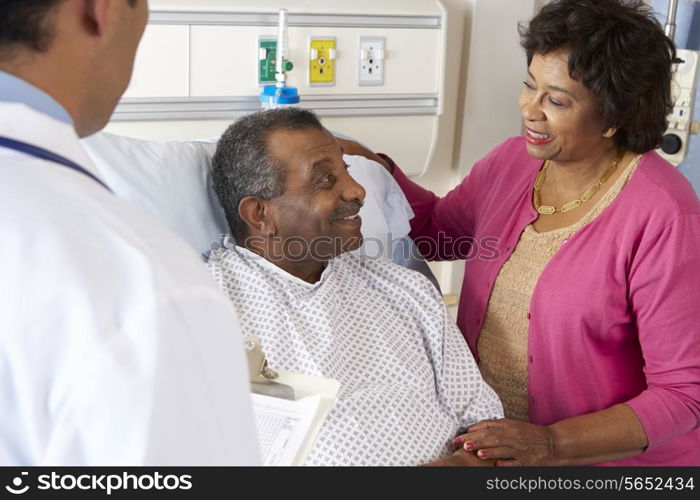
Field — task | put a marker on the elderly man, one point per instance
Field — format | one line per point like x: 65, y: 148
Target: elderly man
x: 409, y: 382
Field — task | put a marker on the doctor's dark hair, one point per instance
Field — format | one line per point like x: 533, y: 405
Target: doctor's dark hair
x: 242, y: 165
x: 619, y: 51
x: 28, y: 24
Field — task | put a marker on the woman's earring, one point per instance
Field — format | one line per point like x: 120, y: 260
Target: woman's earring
x: 609, y: 133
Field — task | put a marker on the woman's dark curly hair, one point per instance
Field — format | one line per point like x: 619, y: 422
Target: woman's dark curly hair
x: 619, y: 51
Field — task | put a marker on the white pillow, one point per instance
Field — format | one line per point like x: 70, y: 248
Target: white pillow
x: 386, y: 211
x: 172, y: 181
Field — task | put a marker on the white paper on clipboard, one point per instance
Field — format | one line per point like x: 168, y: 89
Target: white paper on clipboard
x: 287, y: 430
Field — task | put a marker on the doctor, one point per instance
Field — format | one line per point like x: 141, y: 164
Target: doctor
x: 115, y: 345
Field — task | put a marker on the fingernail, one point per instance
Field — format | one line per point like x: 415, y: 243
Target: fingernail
x: 469, y: 446
x: 483, y: 453
x: 457, y: 441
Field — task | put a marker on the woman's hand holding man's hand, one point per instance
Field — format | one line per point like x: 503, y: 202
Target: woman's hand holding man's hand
x: 510, y: 442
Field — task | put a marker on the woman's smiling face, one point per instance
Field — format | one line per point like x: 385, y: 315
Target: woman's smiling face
x: 562, y: 117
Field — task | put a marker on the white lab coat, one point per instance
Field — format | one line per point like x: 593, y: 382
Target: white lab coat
x: 115, y: 345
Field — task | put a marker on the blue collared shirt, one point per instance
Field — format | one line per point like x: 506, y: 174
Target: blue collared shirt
x: 13, y: 89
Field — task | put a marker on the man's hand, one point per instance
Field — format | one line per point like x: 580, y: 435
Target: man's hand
x: 462, y: 458
x: 355, y: 149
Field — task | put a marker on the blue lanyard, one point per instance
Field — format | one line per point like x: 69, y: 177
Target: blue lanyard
x: 43, y: 154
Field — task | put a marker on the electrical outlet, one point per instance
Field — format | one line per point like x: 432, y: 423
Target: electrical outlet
x: 683, y: 85
x: 267, y: 52
x: 322, y: 54
x: 371, y: 61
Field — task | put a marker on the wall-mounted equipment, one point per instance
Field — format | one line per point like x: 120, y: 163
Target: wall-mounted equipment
x: 282, y: 63
x: 280, y: 94
x: 200, y: 66
x: 371, y: 63
x: 680, y: 121
x: 683, y: 86
x: 267, y: 53
x: 322, y: 54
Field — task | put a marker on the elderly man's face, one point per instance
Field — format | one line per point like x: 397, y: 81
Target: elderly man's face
x: 317, y: 215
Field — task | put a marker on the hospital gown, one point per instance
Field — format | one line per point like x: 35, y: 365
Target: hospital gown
x: 409, y: 383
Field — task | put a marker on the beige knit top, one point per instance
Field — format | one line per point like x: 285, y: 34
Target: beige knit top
x: 502, y: 343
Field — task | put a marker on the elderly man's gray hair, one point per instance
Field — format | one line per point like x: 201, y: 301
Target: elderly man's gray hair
x: 242, y: 166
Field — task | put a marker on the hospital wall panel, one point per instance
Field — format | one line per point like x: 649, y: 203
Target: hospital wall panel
x: 224, y: 60
x: 196, y: 70
x: 395, y: 7
x: 162, y: 65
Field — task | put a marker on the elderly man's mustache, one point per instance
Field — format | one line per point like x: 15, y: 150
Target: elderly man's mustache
x: 347, y: 209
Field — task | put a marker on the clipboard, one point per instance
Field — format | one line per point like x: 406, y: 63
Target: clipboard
x: 289, y: 408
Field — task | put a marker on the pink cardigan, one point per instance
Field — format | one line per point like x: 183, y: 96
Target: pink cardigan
x: 614, y: 317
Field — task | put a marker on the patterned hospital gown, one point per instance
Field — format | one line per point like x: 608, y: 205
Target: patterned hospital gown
x: 409, y: 383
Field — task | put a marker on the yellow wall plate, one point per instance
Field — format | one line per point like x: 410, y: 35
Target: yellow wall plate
x: 322, y: 55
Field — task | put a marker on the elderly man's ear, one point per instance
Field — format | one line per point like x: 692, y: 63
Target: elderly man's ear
x: 257, y: 214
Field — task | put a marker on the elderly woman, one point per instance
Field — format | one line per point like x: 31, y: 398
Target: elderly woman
x: 586, y: 324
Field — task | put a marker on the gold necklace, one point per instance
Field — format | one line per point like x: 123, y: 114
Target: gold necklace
x: 587, y: 194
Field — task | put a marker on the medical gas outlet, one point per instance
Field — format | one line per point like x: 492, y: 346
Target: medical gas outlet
x: 371, y: 63
x: 680, y: 124
x: 322, y: 55
x: 267, y: 52
x: 267, y: 59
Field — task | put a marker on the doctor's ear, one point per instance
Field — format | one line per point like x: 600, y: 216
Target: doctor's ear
x: 257, y: 215
x: 96, y: 16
